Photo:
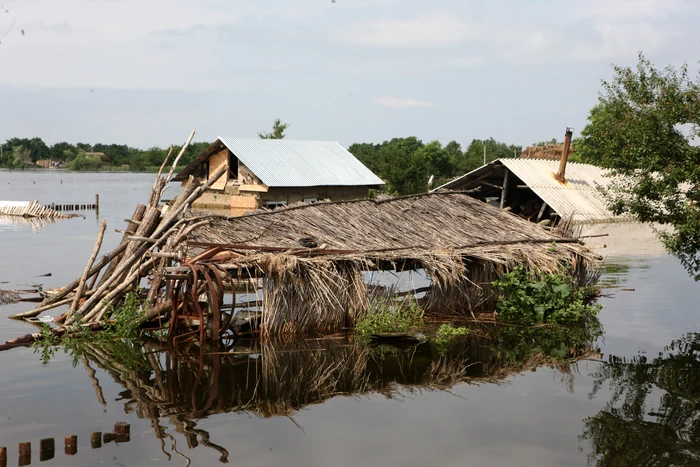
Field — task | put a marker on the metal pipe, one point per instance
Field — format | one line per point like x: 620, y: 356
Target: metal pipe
x: 561, y: 175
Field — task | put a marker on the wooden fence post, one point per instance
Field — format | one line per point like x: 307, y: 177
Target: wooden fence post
x: 71, y: 445
x: 25, y: 454
x: 96, y: 440
x: 47, y: 449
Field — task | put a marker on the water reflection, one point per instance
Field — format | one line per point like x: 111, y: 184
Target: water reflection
x: 653, y: 415
x: 21, y: 223
x: 271, y: 379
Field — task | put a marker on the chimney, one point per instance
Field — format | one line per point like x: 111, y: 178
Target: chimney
x: 560, y: 176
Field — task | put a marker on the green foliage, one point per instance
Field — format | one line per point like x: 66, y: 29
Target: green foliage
x: 21, y: 157
x: 85, y: 161
x: 127, y: 317
x: 643, y: 129
x: 406, y: 164
x: 390, y: 318
x: 527, y: 297
x: 124, y: 328
x: 121, y: 157
x: 447, y: 333
x: 46, y: 344
x: 278, y: 129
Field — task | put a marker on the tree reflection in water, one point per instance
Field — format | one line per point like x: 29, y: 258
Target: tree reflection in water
x: 278, y: 378
x: 653, y: 416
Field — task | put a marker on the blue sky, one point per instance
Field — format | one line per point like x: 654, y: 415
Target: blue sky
x: 145, y: 73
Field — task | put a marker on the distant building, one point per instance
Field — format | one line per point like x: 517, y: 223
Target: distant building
x: 51, y: 163
x: 271, y: 173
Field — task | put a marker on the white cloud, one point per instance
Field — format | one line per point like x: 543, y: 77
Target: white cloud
x: 437, y: 28
x: 465, y: 62
x: 402, y: 102
x: 626, y: 10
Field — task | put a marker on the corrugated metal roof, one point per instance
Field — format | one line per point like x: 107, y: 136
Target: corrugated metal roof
x: 290, y: 163
x: 579, y: 196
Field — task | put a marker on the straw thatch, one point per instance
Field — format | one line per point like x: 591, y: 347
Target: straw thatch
x: 552, y: 152
x: 462, y: 245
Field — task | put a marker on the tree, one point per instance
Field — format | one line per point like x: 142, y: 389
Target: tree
x: 643, y: 129
x: 21, y: 156
x: 58, y: 150
x: 404, y: 172
x: 84, y: 161
x: 277, y: 132
x: 454, y: 149
x: 436, y: 160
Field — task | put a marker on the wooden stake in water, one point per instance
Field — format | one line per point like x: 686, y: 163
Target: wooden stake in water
x: 96, y: 440
x: 71, y: 445
x: 47, y: 449
x: 25, y: 454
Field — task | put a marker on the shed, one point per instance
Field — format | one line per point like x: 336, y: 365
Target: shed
x: 529, y: 188
x: 272, y: 173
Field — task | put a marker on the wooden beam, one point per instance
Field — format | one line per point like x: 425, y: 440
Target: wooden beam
x: 491, y: 185
x: 539, y: 216
x: 504, y: 191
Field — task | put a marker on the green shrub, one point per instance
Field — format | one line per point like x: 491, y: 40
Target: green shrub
x: 390, y: 318
x: 530, y: 298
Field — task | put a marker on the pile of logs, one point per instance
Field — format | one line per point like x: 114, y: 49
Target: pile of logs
x: 147, y: 247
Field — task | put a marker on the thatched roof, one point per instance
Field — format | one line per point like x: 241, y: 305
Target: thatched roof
x: 406, y: 226
x: 552, y: 152
x: 462, y: 244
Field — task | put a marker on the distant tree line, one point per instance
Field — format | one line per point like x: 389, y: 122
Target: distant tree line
x: 23, y: 152
x: 407, y: 164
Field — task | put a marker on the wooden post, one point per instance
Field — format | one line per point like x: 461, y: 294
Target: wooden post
x: 108, y: 437
x: 504, y: 191
x: 47, y: 449
x: 71, y: 445
x: 96, y: 440
x: 3, y: 457
x: 83, y: 279
x: 97, y: 204
x: 560, y: 176
x: 539, y: 216
x: 25, y: 453
x: 123, y: 432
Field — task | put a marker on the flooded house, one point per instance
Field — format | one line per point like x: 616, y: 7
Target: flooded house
x: 51, y: 163
x: 548, y: 188
x: 529, y: 188
x: 268, y: 173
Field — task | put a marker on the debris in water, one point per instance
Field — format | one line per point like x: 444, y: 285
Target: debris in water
x: 8, y: 296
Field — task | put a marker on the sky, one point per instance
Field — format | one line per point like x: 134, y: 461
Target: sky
x: 145, y: 72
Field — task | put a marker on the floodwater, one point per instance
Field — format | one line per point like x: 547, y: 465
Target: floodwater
x: 506, y: 399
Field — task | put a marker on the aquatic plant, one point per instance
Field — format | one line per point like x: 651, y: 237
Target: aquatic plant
x: 388, y: 317
x: 528, y: 297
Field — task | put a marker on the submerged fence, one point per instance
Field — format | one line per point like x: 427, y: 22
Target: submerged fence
x: 53, y: 210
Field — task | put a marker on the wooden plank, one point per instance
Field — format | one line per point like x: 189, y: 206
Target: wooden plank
x: 504, y: 191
